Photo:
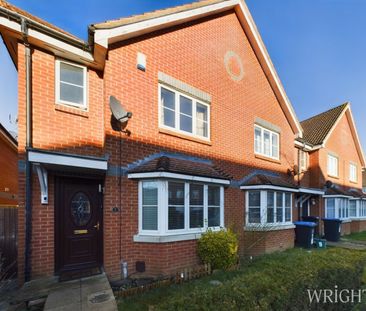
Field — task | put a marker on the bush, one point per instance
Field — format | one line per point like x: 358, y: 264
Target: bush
x: 218, y: 248
x: 278, y: 282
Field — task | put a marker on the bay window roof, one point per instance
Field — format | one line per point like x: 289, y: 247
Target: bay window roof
x: 269, y: 182
x: 171, y: 167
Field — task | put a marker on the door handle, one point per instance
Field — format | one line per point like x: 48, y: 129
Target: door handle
x: 97, y: 226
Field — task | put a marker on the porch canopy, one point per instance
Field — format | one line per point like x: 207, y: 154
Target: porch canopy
x: 44, y: 161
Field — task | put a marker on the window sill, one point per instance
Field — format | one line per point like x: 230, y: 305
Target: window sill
x: 72, y: 110
x: 187, y: 137
x: 269, y: 227
x: 332, y: 176
x: 358, y: 218
x: 262, y: 157
x: 166, y: 238
x: 346, y: 221
x: 353, y: 182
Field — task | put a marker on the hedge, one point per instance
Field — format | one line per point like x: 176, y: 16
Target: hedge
x: 277, y: 282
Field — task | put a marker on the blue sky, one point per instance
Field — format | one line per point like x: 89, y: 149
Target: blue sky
x: 317, y: 46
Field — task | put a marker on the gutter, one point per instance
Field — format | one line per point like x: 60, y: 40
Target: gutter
x: 19, y: 18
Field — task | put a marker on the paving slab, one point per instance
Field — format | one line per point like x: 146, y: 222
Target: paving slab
x: 91, y: 293
x: 347, y: 244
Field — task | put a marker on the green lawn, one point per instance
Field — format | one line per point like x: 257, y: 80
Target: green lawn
x: 359, y: 236
x: 271, y: 282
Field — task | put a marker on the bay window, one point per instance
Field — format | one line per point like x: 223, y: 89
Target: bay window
x: 362, y: 208
x: 337, y: 207
x: 266, y: 142
x: 183, y: 113
x: 168, y: 207
x: 267, y: 207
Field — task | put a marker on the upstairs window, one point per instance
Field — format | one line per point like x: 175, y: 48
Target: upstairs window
x: 303, y: 161
x: 71, y: 84
x: 183, y: 113
x: 332, y: 165
x: 353, y: 172
x: 266, y: 142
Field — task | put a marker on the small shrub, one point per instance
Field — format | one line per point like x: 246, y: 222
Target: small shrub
x: 218, y: 248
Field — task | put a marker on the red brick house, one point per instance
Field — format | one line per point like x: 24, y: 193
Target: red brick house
x: 8, y: 168
x: 210, y: 144
x: 331, y: 158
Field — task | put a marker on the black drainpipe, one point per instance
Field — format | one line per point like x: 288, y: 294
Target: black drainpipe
x: 28, y: 166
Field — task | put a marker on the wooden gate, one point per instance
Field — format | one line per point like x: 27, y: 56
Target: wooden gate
x: 8, y: 241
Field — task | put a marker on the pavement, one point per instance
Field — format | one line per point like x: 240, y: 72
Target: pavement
x: 91, y: 293
x: 348, y: 244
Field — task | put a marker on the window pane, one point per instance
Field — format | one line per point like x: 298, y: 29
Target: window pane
x: 332, y: 165
x: 254, y: 215
x: 213, y: 206
x: 257, y: 140
x: 201, y: 112
x: 213, y: 195
x: 214, y: 216
x: 270, y: 206
x: 167, y: 98
x: 71, y: 93
x: 254, y: 207
x: 195, y: 194
x: 185, y: 105
x: 71, y: 74
x: 274, y: 145
x: 202, y: 128
x: 288, y: 207
x: 150, y: 218
x: 279, y: 205
x: 149, y: 206
x: 331, y: 208
x: 266, y: 137
x: 169, y: 117
x: 176, y: 206
x: 149, y: 193
x: 196, y: 206
x: 254, y: 198
x: 176, y: 217
x: 176, y: 193
x: 186, y: 123
x: 352, y: 208
x: 288, y: 199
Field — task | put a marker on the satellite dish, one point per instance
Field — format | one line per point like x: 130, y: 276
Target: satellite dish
x: 329, y: 184
x: 118, y: 111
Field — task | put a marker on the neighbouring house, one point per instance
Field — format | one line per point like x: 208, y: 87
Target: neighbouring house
x: 8, y: 168
x: 331, y: 158
x: 210, y: 144
x: 8, y: 202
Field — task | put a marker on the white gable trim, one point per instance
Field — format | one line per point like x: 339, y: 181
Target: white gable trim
x: 104, y: 37
x: 347, y: 111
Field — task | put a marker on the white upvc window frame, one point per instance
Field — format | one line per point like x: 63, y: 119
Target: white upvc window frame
x: 353, y: 169
x: 83, y: 106
x: 303, y: 160
x: 362, y: 208
x: 176, y: 128
x: 341, y: 211
x: 330, y: 172
x: 263, y: 209
x: 163, y: 212
x: 357, y: 207
x: 271, y: 133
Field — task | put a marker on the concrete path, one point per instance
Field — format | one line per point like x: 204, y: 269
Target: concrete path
x: 91, y: 293
x: 356, y: 245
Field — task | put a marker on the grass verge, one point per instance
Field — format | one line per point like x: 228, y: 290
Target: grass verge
x: 271, y: 282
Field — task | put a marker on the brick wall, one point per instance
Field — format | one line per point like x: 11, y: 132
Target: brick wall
x: 8, y: 172
x: 193, y: 53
